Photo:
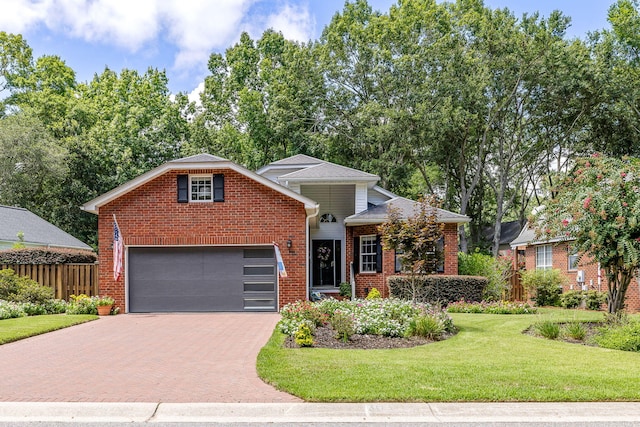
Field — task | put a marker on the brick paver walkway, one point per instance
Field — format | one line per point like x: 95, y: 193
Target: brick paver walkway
x: 143, y: 358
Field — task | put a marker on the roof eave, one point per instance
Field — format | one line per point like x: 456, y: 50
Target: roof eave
x: 358, y: 221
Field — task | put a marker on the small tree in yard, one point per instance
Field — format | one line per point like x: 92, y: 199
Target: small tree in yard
x: 598, y: 206
x: 415, y: 239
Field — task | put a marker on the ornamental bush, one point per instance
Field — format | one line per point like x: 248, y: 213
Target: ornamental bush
x: 498, y: 307
x: 571, y: 299
x: 545, y: 286
x: 624, y: 336
x: 22, y: 289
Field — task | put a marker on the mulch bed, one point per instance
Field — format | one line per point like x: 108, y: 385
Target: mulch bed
x: 325, y: 337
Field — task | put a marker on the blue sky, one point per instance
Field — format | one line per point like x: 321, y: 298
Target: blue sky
x: 178, y: 36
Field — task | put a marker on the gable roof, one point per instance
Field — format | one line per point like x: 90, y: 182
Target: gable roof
x: 378, y: 214
x: 36, y: 230
x: 199, y: 161
x: 528, y: 237
x: 312, y: 170
x: 509, y: 231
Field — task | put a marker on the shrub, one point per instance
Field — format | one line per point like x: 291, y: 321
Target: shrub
x: 303, y: 336
x: 619, y: 337
x: 374, y: 294
x: 546, y: 285
x: 571, y: 299
x: 595, y: 299
x: 304, y: 310
x: 82, y: 304
x: 426, y: 326
x: 499, y: 307
x: 548, y: 329
x: 46, y: 256
x: 496, y: 270
x: 437, y: 289
x: 575, y: 330
x: 22, y: 289
x: 343, y: 324
x: 345, y: 289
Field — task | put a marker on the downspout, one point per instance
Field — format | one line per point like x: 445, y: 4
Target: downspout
x: 314, y: 212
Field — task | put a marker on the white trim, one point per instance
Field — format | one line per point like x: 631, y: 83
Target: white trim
x: 198, y: 176
x: 361, y: 254
x: 355, y: 222
x: 93, y: 206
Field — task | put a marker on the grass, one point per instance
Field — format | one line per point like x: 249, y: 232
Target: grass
x: 488, y: 360
x: 25, y: 327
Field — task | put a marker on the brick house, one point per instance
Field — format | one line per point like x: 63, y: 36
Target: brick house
x: 530, y: 254
x: 200, y: 234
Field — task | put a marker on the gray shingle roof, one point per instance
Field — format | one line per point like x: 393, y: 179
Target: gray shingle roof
x: 329, y: 171
x: 36, y: 230
x: 199, y: 158
x: 298, y: 159
x: 528, y: 237
x: 378, y: 214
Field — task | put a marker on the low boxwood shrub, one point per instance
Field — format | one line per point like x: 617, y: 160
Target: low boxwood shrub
x: 499, y: 307
x: 571, y: 299
x: 595, y: 299
x: 437, y: 289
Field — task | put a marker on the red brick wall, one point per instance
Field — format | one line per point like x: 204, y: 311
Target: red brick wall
x: 250, y: 214
x: 368, y: 281
x: 560, y: 261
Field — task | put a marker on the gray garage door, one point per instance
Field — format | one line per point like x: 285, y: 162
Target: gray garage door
x: 202, y: 279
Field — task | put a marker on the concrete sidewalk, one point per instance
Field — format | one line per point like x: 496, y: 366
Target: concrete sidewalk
x: 597, y: 413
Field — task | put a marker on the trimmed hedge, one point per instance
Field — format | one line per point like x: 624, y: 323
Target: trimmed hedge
x: 46, y: 256
x: 434, y: 289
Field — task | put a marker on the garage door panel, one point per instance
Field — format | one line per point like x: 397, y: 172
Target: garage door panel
x: 201, y: 279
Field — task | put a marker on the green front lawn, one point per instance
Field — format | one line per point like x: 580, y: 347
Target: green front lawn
x: 488, y: 360
x: 24, y: 327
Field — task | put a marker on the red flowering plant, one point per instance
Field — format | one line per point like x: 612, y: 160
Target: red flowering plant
x: 597, y: 206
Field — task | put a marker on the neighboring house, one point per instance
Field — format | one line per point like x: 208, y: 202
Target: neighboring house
x: 35, y: 230
x: 200, y: 233
x: 530, y: 253
x: 509, y: 231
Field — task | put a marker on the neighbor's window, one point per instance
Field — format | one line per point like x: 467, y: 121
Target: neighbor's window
x: 573, y: 260
x: 543, y: 257
x: 200, y: 189
x: 368, y: 254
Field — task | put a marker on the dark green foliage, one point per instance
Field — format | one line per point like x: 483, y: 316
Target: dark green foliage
x: 46, y: 256
x: 545, y: 284
x: 595, y: 299
x: 345, y: 289
x: 571, y: 299
x: 435, y: 289
x: 575, y: 330
x: 547, y: 296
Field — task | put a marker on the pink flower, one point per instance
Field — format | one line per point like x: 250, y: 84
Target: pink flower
x: 599, y: 176
x: 586, y: 203
x: 623, y: 174
x: 565, y: 222
x: 587, y: 165
x: 625, y: 204
x: 595, y: 155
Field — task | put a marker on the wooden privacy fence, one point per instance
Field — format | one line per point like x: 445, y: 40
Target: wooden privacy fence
x: 517, y: 290
x: 64, y: 279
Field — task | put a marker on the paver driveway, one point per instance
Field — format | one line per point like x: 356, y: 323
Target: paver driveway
x: 143, y: 358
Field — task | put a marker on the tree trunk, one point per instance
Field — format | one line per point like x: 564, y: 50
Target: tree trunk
x: 618, y: 282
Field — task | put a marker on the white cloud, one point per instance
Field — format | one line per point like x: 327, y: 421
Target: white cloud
x: 194, y: 27
x: 295, y: 23
x: 194, y: 95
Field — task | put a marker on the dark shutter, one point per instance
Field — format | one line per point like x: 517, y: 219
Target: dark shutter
x: 356, y: 255
x: 183, y: 188
x: 378, y: 255
x: 218, y: 188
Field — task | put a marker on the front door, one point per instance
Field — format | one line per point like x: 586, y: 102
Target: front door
x: 326, y: 259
